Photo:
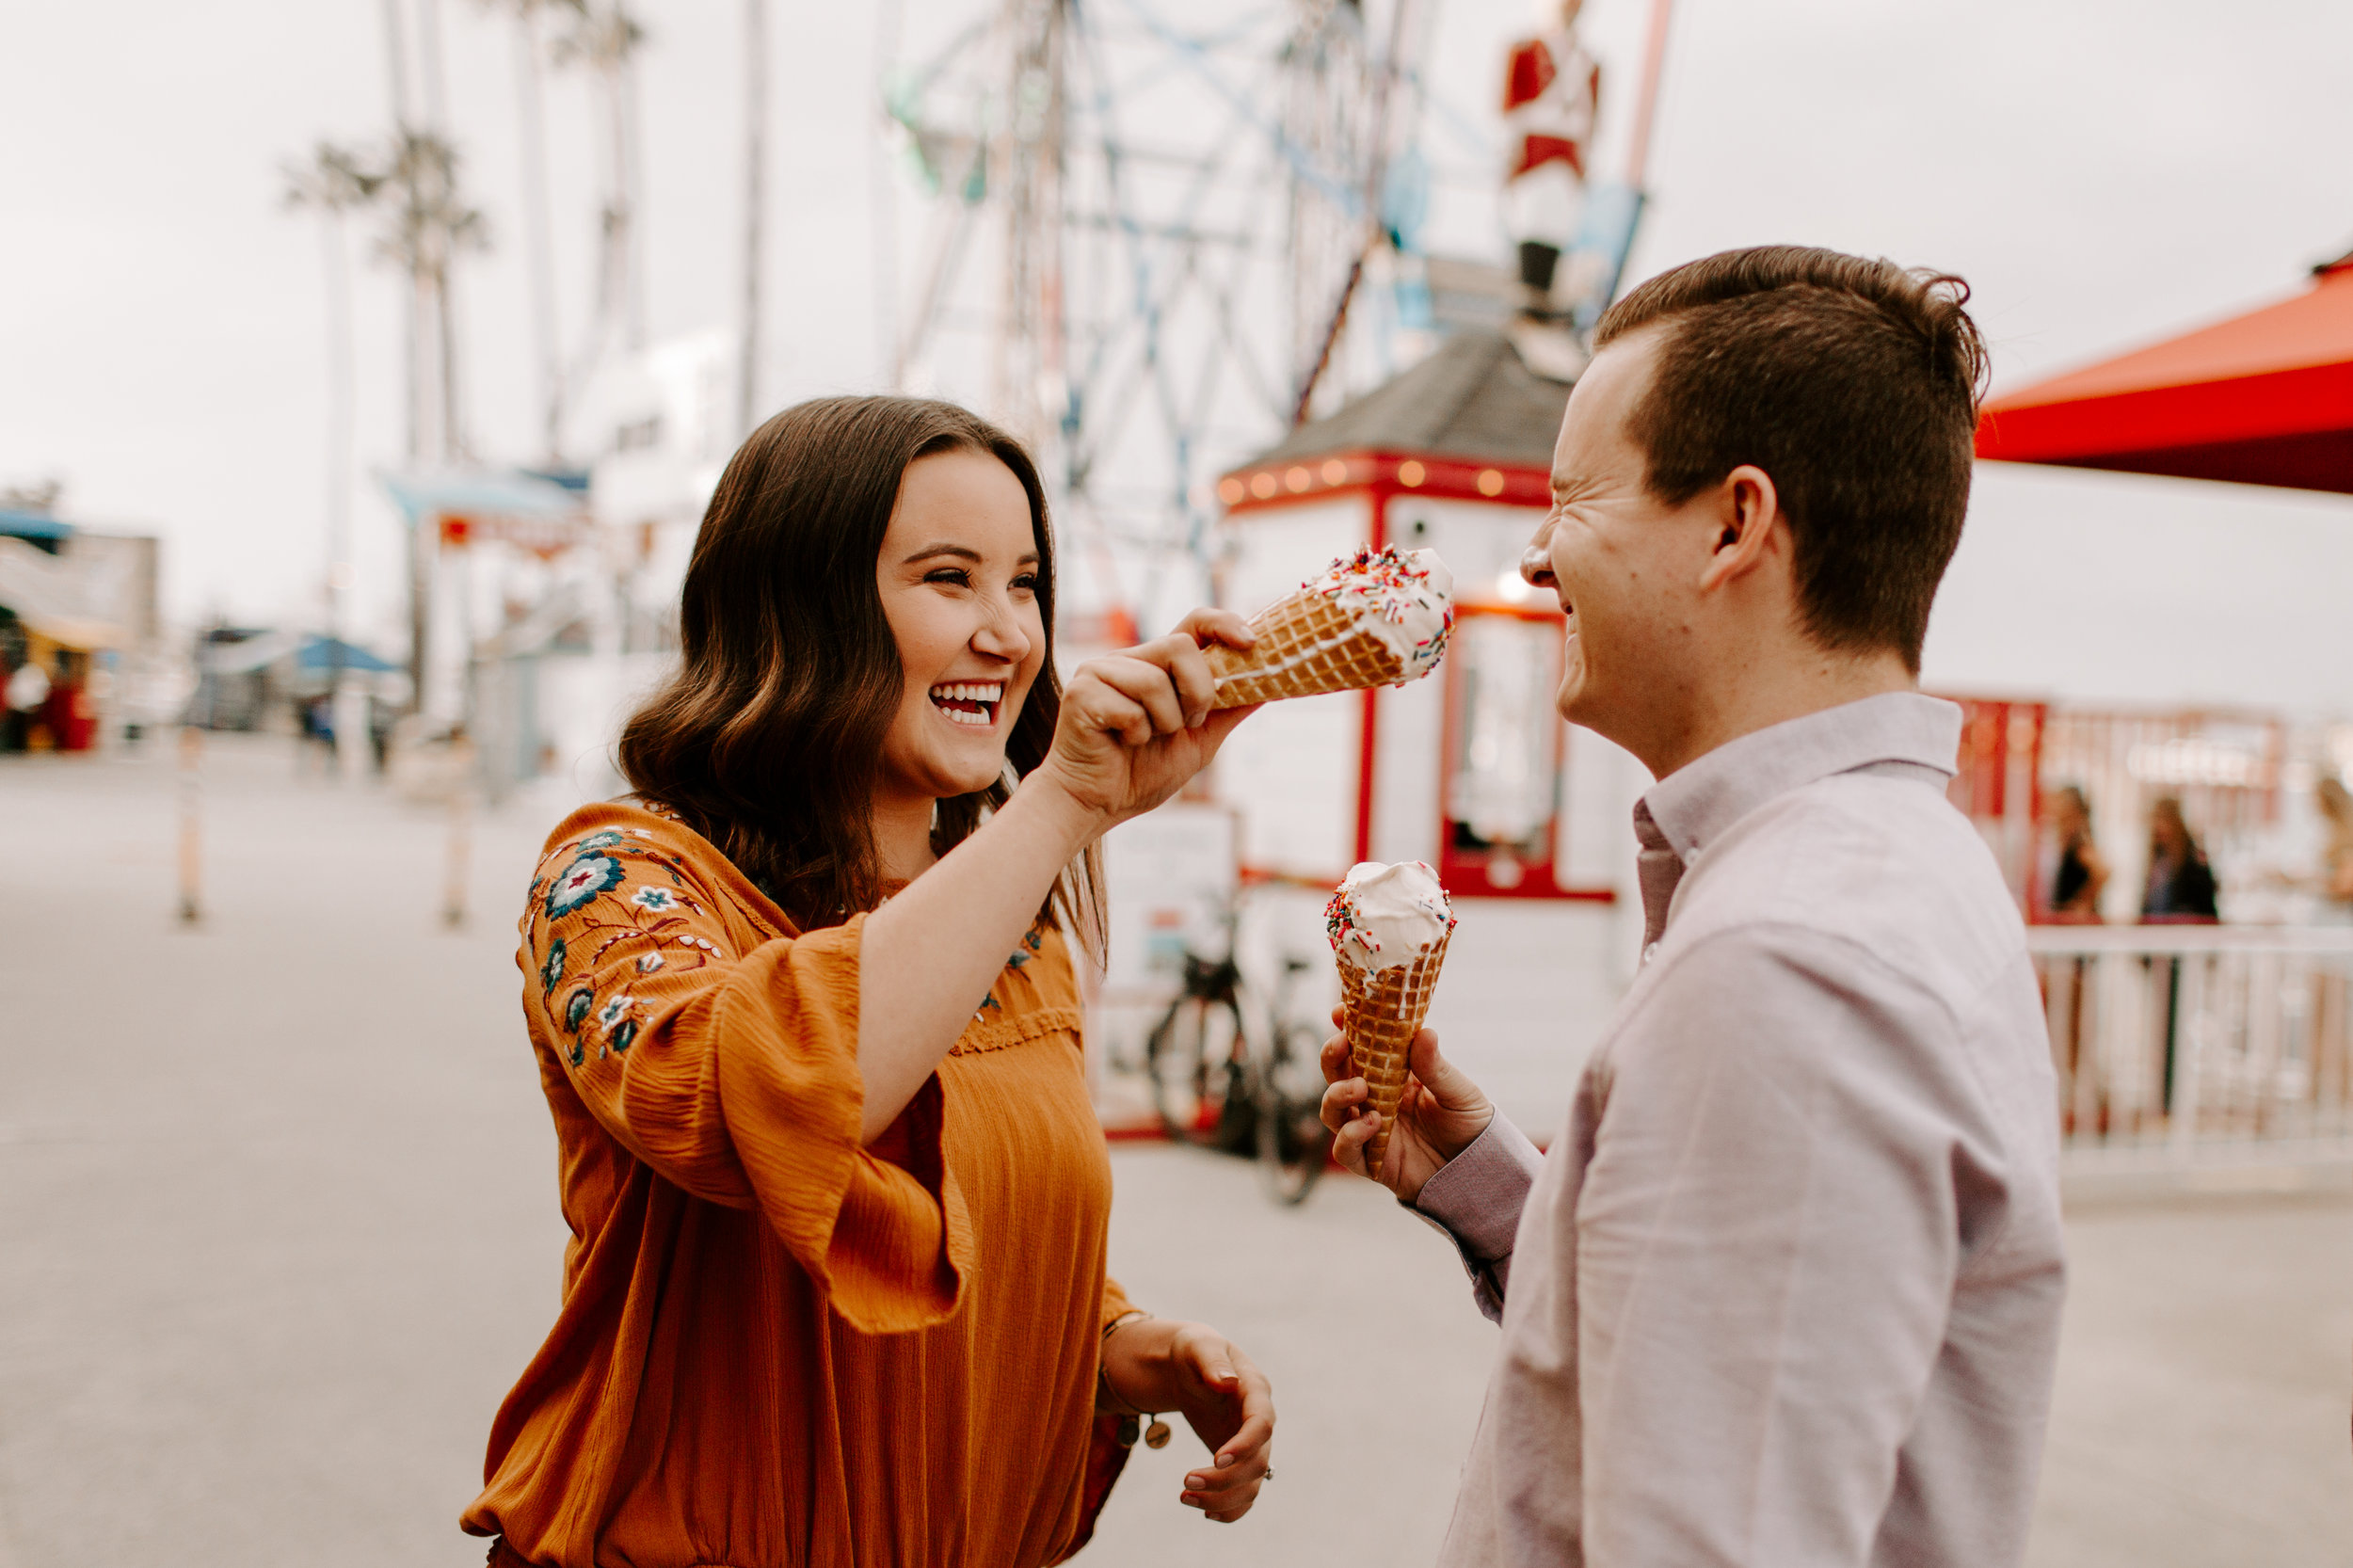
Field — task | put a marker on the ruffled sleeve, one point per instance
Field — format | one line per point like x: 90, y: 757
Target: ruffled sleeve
x: 734, y: 1075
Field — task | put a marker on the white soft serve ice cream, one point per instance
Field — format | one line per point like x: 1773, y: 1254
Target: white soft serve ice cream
x: 1407, y: 601
x: 1387, y: 916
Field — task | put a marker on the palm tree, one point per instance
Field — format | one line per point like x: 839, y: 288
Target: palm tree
x: 427, y: 226
x: 755, y: 205
x: 430, y: 227
x: 333, y: 182
x: 605, y: 38
x: 537, y: 224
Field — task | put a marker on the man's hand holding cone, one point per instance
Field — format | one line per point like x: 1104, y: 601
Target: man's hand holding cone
x: 1439, y: 1114
x: 1390, y: 926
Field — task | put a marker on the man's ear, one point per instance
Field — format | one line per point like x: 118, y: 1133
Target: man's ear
x: 1749, y: 526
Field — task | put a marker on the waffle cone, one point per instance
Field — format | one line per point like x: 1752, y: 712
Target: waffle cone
x: 1308, y: 644
x: 1384, y: 1010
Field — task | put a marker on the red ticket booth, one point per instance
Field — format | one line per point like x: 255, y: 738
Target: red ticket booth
x: 1471, y: 768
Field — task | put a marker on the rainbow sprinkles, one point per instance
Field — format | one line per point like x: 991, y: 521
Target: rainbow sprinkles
x: 1409, y: 611
x: 1406, y: 902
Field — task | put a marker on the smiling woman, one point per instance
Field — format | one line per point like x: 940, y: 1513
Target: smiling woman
x: 807, y: 1017
x: 838, y: 522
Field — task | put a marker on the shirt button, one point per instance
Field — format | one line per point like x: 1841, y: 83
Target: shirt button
x: 1650, y: 950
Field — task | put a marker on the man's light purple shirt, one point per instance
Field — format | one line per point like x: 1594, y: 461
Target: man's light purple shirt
x: 1787, y: 1290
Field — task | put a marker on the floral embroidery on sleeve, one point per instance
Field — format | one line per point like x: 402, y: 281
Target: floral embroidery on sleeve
x: 551, y: 971
x: 617, y: 1019
x: 588, y: 876
x: 600, y: 912
x: 577, y: 1011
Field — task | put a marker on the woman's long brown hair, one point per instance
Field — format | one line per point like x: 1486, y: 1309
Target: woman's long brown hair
x: 768, y: 740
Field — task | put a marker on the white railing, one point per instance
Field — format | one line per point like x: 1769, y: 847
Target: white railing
x: 2196, y: 1043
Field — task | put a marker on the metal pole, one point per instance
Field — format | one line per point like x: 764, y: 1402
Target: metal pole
x: 1646, y: 107
x: 883, y: 210
x: 2190, y: 1023
x: 537, y: 225
x: 347, y: 703
x: 755, y: 205
x: 1375, y: 234
x: 191, y: 825
x: 454, y: 880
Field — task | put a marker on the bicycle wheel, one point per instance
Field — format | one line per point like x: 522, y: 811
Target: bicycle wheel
x: 1293, y: 1142
x: 1193, y: 1061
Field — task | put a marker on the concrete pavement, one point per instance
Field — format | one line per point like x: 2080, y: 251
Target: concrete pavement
x: 278, y: 1228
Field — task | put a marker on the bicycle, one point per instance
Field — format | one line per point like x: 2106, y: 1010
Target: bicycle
x: 1294, y: 1145
x: 1213, y: 1088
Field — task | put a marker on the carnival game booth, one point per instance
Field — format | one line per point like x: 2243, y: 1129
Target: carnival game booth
x: 1470, y: 769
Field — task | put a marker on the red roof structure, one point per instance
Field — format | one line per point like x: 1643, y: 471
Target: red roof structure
x: 1473, y: 421
x: 2264, y: 398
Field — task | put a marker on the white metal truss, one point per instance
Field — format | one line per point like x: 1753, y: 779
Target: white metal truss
x: 1149, y: 228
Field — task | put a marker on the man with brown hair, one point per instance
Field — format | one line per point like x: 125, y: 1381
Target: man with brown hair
x: 1786, y: 1290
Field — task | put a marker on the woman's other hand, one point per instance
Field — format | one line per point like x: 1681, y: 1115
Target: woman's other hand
x: 1137, y: 724
x: 1438, y: 1116
x: 1156, y: 1363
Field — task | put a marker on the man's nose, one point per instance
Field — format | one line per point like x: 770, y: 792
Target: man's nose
x: 1536, y: 563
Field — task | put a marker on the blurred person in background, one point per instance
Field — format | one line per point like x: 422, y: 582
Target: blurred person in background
x: 1786, y: 1288
x: 2080, y: 875
x: 2071, y: 896
x: 314, y: 718
x: 2180, y: 887
x: 805, y: 1015
x: 2333, y: 1049
x: 2179, y: 890
x: 27, y: 694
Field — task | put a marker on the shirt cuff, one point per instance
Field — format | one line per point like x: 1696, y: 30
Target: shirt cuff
x: 1477, y: 1197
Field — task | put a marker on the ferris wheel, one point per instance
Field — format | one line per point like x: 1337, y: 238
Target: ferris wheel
x: 1148, y: 236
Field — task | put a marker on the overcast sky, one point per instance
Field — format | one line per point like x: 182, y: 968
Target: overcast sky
x: 2101, y: 171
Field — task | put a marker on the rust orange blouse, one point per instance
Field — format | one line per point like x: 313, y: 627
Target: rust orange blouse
x: 778, y: 1345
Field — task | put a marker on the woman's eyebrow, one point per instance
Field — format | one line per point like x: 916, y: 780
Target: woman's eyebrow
x: 963, y: 552
x: 960, y: 551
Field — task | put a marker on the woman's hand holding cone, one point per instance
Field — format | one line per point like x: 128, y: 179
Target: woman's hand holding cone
x: 1441, y: 1114
x: 1137, y: 724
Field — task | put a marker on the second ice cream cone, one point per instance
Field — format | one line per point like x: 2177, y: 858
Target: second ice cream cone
x: 1384, y: 1009
x: 1390, y: 926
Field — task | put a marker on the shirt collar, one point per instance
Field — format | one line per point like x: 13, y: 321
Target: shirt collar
x: 1698, y: 803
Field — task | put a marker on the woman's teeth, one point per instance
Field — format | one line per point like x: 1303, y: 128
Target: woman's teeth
x: 973, y: 702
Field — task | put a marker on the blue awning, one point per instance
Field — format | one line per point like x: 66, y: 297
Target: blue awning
x: 33, y: 526
x: 319, y: 654
x: 312, y: 654
x: 481, y: 493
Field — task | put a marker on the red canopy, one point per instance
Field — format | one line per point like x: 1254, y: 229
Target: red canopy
x: 2264, y: 398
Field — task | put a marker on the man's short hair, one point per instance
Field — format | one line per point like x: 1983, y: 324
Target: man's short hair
x: 1854, y: 383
